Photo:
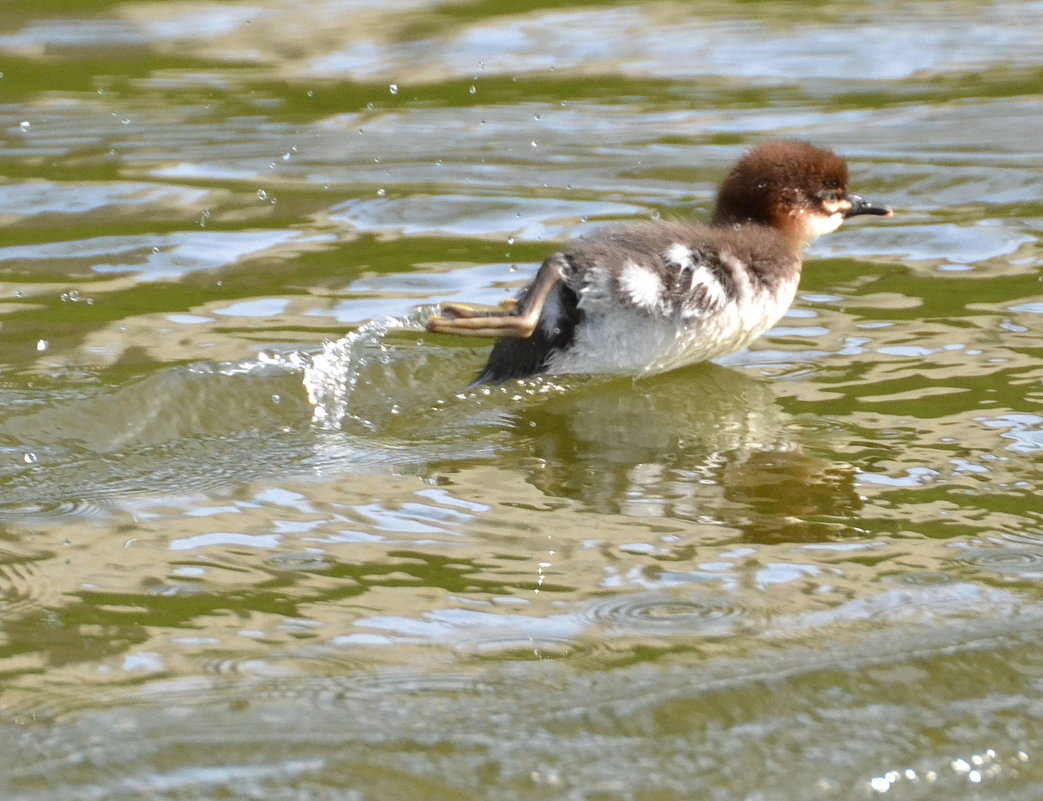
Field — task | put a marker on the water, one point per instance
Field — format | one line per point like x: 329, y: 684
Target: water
x: 258, y: 539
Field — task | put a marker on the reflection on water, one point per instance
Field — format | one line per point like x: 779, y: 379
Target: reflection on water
x: 707, y: 443
x: 258, y: 538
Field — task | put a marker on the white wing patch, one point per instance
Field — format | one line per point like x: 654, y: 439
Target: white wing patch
x: 702, y: 291
x: 681, y: 255
x: 641, y: 286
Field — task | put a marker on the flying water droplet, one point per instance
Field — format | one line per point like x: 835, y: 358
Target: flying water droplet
x: 393, y: 88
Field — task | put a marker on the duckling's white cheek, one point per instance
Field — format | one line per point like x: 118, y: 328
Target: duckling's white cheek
x: 818, y: 225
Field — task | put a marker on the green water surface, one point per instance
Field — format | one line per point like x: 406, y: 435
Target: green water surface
x: 258, y: 540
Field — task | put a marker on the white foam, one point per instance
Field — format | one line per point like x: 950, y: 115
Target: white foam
x: 330, y: 377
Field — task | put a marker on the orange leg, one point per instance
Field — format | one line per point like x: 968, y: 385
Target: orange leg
x: 512, y: 318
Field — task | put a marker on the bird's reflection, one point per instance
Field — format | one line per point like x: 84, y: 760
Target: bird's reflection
x: 706, y: 443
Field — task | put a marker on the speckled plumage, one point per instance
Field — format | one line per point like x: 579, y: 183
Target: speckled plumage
x: 648, y: 297
x: 639, y: 299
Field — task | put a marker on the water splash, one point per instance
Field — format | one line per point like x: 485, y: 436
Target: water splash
x: 330, y: 377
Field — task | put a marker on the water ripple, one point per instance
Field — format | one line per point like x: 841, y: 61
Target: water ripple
x: 296, y: 668
x: 299, y: 561
x: 658, y: 614
x: 21, y: 511
x: 922, y: 578
x: 522, y: 648
x: 1022, y: 561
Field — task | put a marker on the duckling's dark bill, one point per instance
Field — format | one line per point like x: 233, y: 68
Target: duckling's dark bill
x: 861, y: 205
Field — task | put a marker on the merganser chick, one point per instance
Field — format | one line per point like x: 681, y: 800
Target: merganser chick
x: 648, y: 297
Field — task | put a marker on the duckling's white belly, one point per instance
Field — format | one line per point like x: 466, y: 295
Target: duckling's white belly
x: 640, y: 340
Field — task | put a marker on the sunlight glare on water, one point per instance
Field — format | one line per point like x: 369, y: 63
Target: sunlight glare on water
x: 260, y: 538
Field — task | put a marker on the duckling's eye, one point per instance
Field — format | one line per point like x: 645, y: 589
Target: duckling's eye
x: 831, y: 196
